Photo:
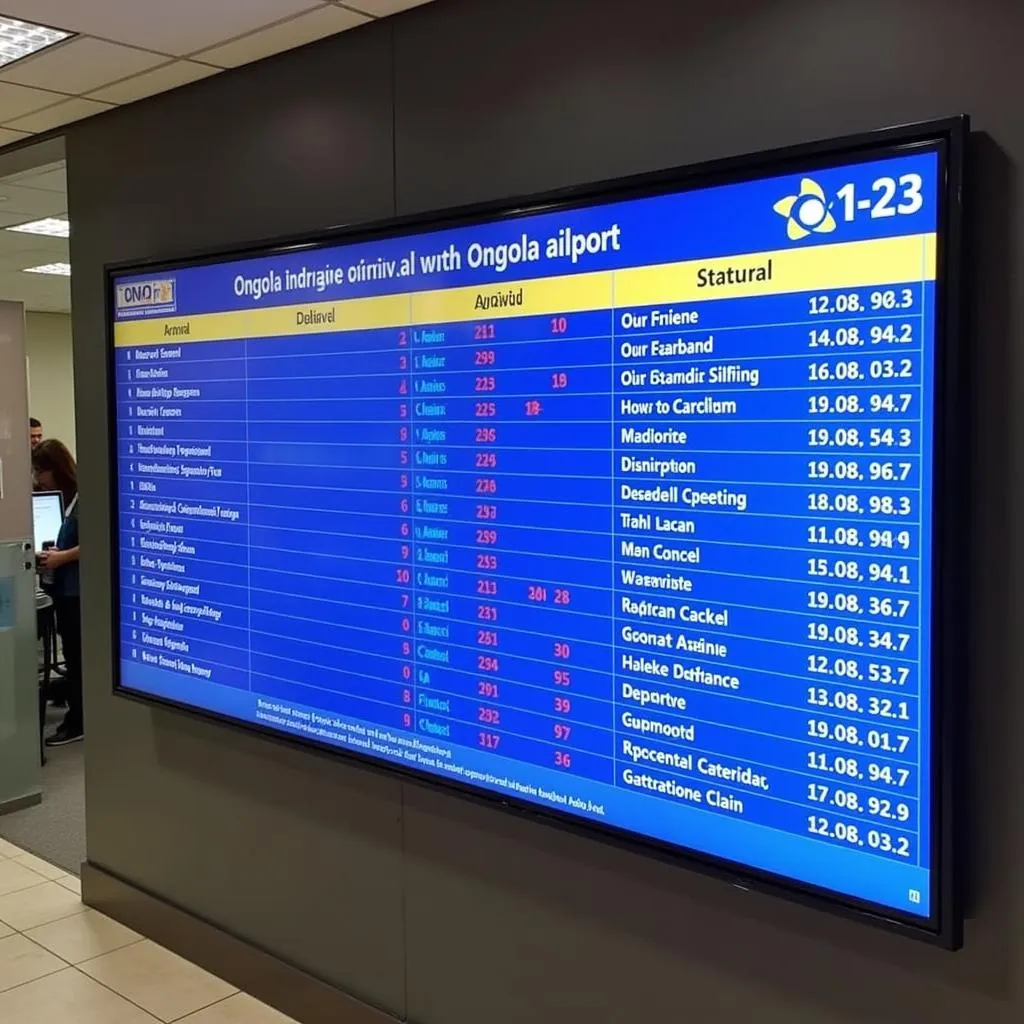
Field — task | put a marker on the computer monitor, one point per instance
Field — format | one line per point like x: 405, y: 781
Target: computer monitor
x: 47, y: 515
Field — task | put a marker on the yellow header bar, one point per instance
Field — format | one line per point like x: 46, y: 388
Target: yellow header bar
x: 817, y: 268
x: 542, y: 295
x: 276, y: 321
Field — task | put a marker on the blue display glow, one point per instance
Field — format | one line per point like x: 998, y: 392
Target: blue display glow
x: 623, y: 511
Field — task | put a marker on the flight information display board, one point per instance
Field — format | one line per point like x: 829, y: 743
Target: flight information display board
x: 621, y: 508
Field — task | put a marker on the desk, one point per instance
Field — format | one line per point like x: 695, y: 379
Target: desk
x: 46, y: 630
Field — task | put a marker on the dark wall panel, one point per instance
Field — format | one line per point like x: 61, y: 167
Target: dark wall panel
x: 297, y: 143
x: 508, y: 98
x: 505, y: 98
x: 295, y: 853
x: 411, y: 898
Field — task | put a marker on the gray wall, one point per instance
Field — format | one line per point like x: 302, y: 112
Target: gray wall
x: 416, y: 901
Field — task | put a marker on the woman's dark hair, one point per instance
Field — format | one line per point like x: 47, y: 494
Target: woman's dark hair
x: 53, y: 456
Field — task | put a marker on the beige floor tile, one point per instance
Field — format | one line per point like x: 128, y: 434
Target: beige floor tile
x: 9, y: 849
x: 40, y: 866
x: 157, y: 980
x: 239, y: 1009
x: 41, y: 904
x: 22, y: 960
x: 83, y: 936
x: 72, y: 882
x: 5, y: 931
x: 71, y: 997
x: 15, y: 876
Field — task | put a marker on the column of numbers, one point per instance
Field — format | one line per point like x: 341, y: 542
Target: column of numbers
x: 404, y: 571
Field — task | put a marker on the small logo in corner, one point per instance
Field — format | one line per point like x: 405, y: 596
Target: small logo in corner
x: 155, y: 296
x: 807, y: 211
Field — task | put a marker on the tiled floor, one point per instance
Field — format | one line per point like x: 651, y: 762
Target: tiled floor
x: 61, y: 961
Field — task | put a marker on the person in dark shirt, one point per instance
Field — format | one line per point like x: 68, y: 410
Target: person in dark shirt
x: 54, y: 469
x: 35, y: 431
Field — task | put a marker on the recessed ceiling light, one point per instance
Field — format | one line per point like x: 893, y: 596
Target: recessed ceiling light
x: 21, y: 39
x: 62, y: 269
x: 55, y: 227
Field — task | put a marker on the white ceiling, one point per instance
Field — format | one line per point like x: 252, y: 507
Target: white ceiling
x: 126, y: 50
x: 32, y: 195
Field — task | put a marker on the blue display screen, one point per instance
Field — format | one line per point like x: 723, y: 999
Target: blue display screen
x: 621, y: 510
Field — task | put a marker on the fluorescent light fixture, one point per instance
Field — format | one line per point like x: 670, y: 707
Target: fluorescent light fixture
x: 21, y: 39
x: 62, y: 269
x: 55, y: 227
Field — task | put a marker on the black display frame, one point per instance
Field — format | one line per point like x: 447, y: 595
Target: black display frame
x: 947, y: 136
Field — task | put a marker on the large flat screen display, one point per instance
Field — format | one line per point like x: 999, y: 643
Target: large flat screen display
x: 622, y: 507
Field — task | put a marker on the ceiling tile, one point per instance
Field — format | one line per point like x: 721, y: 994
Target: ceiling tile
x: 60, y: 113
x: 9, y: 217
x: 179, y: 27
x: 34, y: 172
x: 30, y: 203
x: 169, y: 76
x: 325, y: 21
x: 36, y: 291
x: 382, y: 8
x: 50, y: 181
x: 9, y: 135
x: 16, y: 100
x: 80, y: 65
x: 19, y: 259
